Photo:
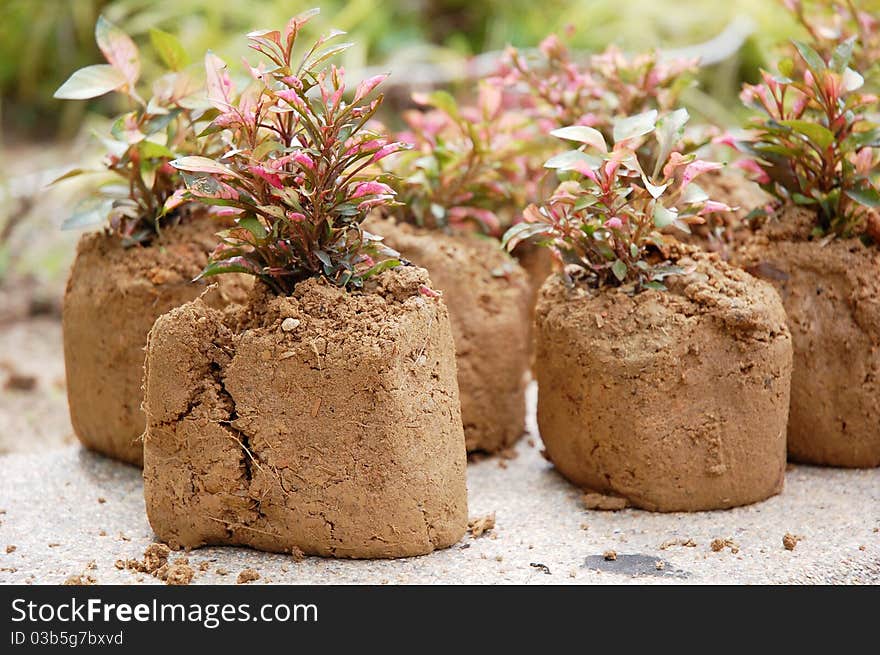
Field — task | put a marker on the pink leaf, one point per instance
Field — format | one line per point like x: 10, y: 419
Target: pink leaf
x: 696, y: 168
x: 118, y: 49
x: 272, y: 178
x: 219, y: 84
x: 371, y: 189
x: 365, y: 87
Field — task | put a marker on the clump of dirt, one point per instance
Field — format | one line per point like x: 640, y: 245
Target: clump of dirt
x: 609, y: 555
x: 790, y: 541
x: 177, y: 573
x: 341, y: 437
x: 16, y: 381
x: 718, y: 545
x: 248, y: 575
x: 81, y: 580
x: 679, y: 401
x: 487, y: 293
x: 830, y: 290
x: 113, y: 296
x: 11, y: 549
x: 604, y: 502
x: 480, y: 526
x: 687, y: 543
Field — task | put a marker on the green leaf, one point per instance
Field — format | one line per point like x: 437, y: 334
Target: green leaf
x: 670, y: 129
x: 786, y: 66
x: 634, y: 126
x: 568, y: 160
x: 444, y: 101
x: 663, y: 217
x: 619, y: 270
x: 253, y: 225
x: 71, y: 173
x: 842, y: 55
x: 196, y: 164
x: 151, y: 150
x: 90, y: 82
x: 869, y: 197
x: 91, y: 211
x: 811, y: 57
x: 818, y: 134
x: 582, y: 134
x: 169, y: 49
x: 867, y: 138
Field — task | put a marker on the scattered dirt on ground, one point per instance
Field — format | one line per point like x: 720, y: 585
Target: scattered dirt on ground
x: 10, y: 549
x: 248, y: 575
x: 541, y: 567
x: 669, y: 543
x: 610, y: 555
x: 102, y: 500
x: 155, y: 563
x: 204, y: 566
x: 297, y: 554
x: 718, y: 545
x: 222, y: 571
x: 16, y: 381
x: 790, y: 540
x: 81, y: 580
x: 660, y: 565
x: 604, y: 502
x: 480, y: 526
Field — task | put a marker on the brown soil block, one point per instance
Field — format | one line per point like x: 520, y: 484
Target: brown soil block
x: 674, y: 400
x: 325, y: 422
x: 735, y: 190
x: 487, y: 293
x: 113, y: 296
x: 831, y: 294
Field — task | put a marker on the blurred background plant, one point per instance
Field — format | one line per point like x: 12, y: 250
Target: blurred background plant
x: 423, y: 43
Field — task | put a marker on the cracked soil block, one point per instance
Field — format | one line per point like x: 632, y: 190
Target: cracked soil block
x: 325, y: 421
x: 831, y: 294
x: 675, y: 400
x: 113, y: 296
x: 487, y: 293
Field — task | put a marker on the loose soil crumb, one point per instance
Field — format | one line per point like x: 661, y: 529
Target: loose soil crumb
x: 155, y: 557
x: 222, y: 571
x: 687, y: 543
x: 176, y: 574
x: 718, y: 545
x: 81, y: 580
x: 790, y: 541
x: 609, y: 555
x: 297, y: 554
x: 248, y: 575
x: 541, y: 567
x: 604, y: 502
x: 204, y: 566
x: 20, y: 382
x: 155, y: 563
x: 660, y: 565
x: 480, y: 526
x: 102, y: 500
x: 10, y: 549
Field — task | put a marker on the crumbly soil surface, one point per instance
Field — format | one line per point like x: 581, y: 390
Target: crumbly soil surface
x: 341, y: 437
x: 113, y: 296
x: 487, y: 293
x: 735, y: 190
x: 831, y: 293
x: 675, y: 400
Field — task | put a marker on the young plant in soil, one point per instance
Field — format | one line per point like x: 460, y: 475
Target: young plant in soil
x: 814, y: 147
x: 142, y: 263
x: 663, y: 373
x: 321, y: 414
x: 461, y: 184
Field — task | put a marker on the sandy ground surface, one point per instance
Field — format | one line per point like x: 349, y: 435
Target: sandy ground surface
x: 67, y: 512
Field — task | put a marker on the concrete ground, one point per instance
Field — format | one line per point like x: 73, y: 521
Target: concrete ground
x: 68, y: 512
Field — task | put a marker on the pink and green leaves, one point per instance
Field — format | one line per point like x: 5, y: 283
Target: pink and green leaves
x: 299, y: 173
x: 122, y: 68
x: 607, y: 214
x: 812, y: 141
x: 141, y: 142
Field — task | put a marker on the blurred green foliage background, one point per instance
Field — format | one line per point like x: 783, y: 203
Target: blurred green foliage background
x: 43, y: 41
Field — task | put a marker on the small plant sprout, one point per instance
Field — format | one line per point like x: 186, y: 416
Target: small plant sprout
x: 559, y: 91
x: 811, y: 143
x: 830, y: 23
x: 468, y: 164
x: 300, y: 175
x: 607, y: 214
x: 143, y: 140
